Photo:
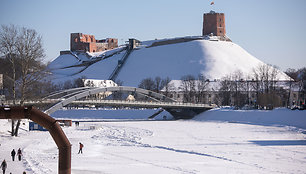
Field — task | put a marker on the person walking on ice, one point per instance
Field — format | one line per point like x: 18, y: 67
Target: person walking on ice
x: 81, y: 148
x: 13, y: 153
x: 19, y: 154
x: 3, y: 166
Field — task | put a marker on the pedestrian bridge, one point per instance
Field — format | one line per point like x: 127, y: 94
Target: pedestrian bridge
x: 80, y: 97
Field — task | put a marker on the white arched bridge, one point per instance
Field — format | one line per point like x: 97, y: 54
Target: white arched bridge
x: 103, y: 97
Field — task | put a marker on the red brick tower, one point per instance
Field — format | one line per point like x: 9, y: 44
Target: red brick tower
x: 84, y: 42
x: 214, y: 23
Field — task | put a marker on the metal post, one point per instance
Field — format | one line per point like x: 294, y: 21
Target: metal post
x: 58, y: 135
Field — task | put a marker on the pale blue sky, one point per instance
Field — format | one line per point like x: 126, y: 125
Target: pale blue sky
x: 271, y: 30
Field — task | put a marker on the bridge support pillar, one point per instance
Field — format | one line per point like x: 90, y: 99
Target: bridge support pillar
x: 185, y: 113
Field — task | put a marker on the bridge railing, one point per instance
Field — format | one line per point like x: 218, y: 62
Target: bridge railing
x: 30, y: 102
x: 143, y: 102
x: 46, y: 101
x: 10, y: 102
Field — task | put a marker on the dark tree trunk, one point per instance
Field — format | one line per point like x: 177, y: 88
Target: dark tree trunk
x: 13, y: 127
x: 17, y: 128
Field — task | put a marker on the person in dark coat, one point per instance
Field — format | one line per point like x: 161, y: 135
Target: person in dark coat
x: 13, y: 153
x: 19, y: 154
x: 81, y: 148
x: 3, y: 166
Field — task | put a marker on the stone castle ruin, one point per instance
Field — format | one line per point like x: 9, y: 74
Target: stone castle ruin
x: 213, y: 25
x: 85, y: 42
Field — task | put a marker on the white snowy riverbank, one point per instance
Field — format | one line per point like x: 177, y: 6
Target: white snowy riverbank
x: 217, y: 141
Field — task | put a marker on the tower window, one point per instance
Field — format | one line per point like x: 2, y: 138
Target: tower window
x: 220, y: 25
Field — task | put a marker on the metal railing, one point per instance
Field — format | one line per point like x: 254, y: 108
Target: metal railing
x: 151, y: 104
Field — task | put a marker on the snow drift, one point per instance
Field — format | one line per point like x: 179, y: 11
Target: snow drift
x: 276, y: 117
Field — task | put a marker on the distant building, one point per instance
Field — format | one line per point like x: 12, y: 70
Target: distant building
x: 85, y: 42
x: 99, y: 83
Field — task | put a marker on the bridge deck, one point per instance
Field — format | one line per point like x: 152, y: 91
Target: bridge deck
x: 124, y: 103
x: 143, y: 104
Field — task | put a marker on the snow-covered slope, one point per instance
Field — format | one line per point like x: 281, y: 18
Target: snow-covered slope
x: 213, y: 59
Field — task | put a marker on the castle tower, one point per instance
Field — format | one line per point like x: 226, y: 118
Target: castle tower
x: 84, y: 42
x: 214, y: 23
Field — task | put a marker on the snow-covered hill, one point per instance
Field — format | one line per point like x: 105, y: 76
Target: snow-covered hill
x: 193, y: 56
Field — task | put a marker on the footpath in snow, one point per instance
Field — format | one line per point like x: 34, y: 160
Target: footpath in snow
x: 217, y: 141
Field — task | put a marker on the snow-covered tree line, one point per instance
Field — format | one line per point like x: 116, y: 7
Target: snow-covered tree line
x: 261, y: 89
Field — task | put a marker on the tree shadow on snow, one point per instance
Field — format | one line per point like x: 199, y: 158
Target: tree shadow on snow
x: 280, y: 142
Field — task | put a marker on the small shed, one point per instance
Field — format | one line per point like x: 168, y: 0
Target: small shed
x: 65, y: 122
x: 35, y: 126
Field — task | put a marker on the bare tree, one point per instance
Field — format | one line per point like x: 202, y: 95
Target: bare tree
x: 234, y: 90
x: 302, y: 80
x: 225, y: 91
x: 118, y: 94
x: 24, y: 46
x: 165, y: 84
x: 265, y: 77
x: 31, y: 52
x: 8, y: 41
x: 79, y: 82
x: 157, y: 82
x: 293, y: 73
x: 68, y: 84
x: 147, y: 83
x: 9, y: 74
x: 188, y: 86
x: 201, y: 85
x: 119, y: 82
x: 239, y: 89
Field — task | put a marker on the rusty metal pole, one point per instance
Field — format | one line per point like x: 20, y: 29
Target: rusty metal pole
x: 58, y: 135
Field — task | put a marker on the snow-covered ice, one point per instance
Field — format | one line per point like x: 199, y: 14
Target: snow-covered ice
x: 216, y: 141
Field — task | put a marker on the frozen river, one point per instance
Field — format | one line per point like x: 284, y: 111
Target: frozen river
x: 192, y: 146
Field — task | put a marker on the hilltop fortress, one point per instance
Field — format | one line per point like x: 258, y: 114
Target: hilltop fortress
x: 212, y: 54
x: 213, y: 25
